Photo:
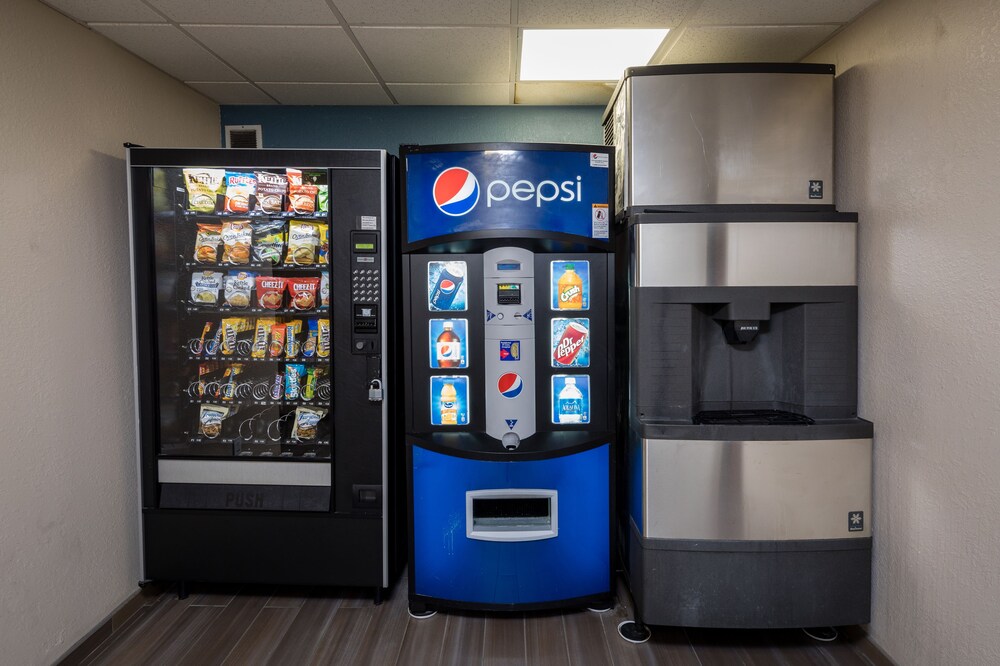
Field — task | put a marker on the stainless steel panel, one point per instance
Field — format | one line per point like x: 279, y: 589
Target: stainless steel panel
x: 737, y: 138
x: 135, y: 364
x: 387, y: 489
x: 249, y: 472
x: 755, y: 490
x: 745, y: 254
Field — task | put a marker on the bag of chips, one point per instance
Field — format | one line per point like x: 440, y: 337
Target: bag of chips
x: 305, y: 424
x: 324, y: 290
x: 301, y: 193
x: 206, y: 243
x: 239, y: 287
x: 271, y: 188
x: 240, y: 187
x: 202, y: 187
x: 323, y: 198
x: 323, y: 249
x: 303, y: 292
x: 236, y: 238
x: 205, y: 287
x: 268, y: 241
x: 303, y: 240
x: 210, y: 420
x: 270, y: 292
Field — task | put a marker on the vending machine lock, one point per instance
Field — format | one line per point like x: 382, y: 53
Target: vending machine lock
x: 375, y: 390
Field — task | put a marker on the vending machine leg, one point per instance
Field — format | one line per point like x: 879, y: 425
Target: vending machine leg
x: 182, y: 589
x: 379, y: 595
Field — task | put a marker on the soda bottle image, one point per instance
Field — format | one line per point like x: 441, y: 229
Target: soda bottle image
x: 570, y: 289
x: 448, y: 347
x: 569, y: 403
x: 449, y: 404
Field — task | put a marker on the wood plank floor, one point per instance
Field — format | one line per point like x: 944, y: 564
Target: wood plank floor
x: 227, y: 625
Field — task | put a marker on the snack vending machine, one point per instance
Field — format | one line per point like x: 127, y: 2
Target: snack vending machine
x: 264, y: 365
x: 507, y: 300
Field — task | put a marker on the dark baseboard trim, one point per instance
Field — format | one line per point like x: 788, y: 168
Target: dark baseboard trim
x: 111, y: 624
x: 858, y: 637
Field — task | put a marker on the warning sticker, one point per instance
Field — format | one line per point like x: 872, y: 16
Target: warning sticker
x: 599, y: 221
x: 599, y: 160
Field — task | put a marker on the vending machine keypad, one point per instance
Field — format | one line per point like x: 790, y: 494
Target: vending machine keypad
x: 366, y: 291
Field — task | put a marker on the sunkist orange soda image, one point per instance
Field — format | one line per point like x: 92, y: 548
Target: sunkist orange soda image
x: 570, y: 289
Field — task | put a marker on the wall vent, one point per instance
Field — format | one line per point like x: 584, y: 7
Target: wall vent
x: 243, y: 136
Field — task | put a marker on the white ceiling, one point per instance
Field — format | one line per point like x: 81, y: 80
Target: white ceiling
x: 430, y: 51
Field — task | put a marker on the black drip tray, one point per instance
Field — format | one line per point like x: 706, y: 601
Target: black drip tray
x: 751, y: 417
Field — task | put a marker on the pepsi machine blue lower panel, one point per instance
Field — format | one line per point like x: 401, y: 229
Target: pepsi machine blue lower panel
x: 449, y: 565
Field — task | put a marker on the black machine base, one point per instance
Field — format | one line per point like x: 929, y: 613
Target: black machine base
x: 751, y: 584
x: 278, y: 548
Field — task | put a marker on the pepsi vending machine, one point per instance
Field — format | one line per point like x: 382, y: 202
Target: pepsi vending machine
x: 508, y: 354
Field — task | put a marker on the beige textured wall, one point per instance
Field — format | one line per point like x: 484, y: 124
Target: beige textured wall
x: 918, y: 156
x: 68, y: 527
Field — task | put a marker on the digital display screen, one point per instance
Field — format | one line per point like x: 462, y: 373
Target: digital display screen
x: 509, y: 266
x: 509, y: 293
x: 364, y: 242
x: 364, y: 247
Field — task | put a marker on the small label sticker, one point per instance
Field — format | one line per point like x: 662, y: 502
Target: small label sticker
x: 490, y: 315
x: 365, y: 260
x: 510, y: 423
x: 856, y: 521
x: 599, y: 221
x: 510, y: 350
x: 815, y: 189
x: 599, y: 160
x: 369, y: 222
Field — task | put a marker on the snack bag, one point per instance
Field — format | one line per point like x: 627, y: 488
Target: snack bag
x: 203, y: 369
x: 271, y: 188
x: 324, y: 290
x: 240, y: 187
x: 309, y: 390
x: 210, y: 420
x: 260, y: 336
x: 277, y: 386
x: 277, y: 346
x: 323, y: 199
x: 306, y: 422
x: 206, y: 243
x: 323, y: 338
x: 301, y: 194
x: 270, y: 292
x: 236, y: 238
x: 294, y: 374
x: 202, y: 186
x: 309, y: 346
x: 205, y: 287
x: 196, y: 348
x: 303, y: 239
x: 212, y: 346
x: 239, y: 287
x: 303, y: 292
x: 292, y: 330
x: 228, y: 389
x: 323, y: 251
x: 268, y: 241
x: 231, y: 328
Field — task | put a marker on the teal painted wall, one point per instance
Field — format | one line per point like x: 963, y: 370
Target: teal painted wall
x: 389, y: 126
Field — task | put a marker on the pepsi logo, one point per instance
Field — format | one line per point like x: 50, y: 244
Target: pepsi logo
x: 510, y: 385
x: 456, y: 191
x: 446, y: 286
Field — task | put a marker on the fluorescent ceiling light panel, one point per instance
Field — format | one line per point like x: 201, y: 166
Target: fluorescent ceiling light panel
x: 585, y: 55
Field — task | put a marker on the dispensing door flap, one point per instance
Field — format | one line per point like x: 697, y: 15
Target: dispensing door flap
x: 511, y: 514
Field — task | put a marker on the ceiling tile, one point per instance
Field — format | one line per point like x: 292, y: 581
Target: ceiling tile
x: 225, y: 92
x: 242, y: 12
x: 603, y: 13
x: 439, y: 12
x: 169, y: 49
x: 776, y: 12
x: 438, y: 55
x: 458, y: 94
x: 746, y: 44
x: 111, y: 11
x: 338, y: 94
x: 289, y: 53
x: 563, y: 92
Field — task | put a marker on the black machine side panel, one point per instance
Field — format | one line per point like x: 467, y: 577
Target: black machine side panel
x: 804, y: 359
x: 751, y: 584
x: 278, y: 548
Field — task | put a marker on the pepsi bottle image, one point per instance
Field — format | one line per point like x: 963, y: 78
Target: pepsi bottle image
x: 447, y: 288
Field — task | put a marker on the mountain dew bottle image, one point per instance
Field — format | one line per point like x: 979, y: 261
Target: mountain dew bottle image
x: 449, y: 404
x: 569, y: 403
